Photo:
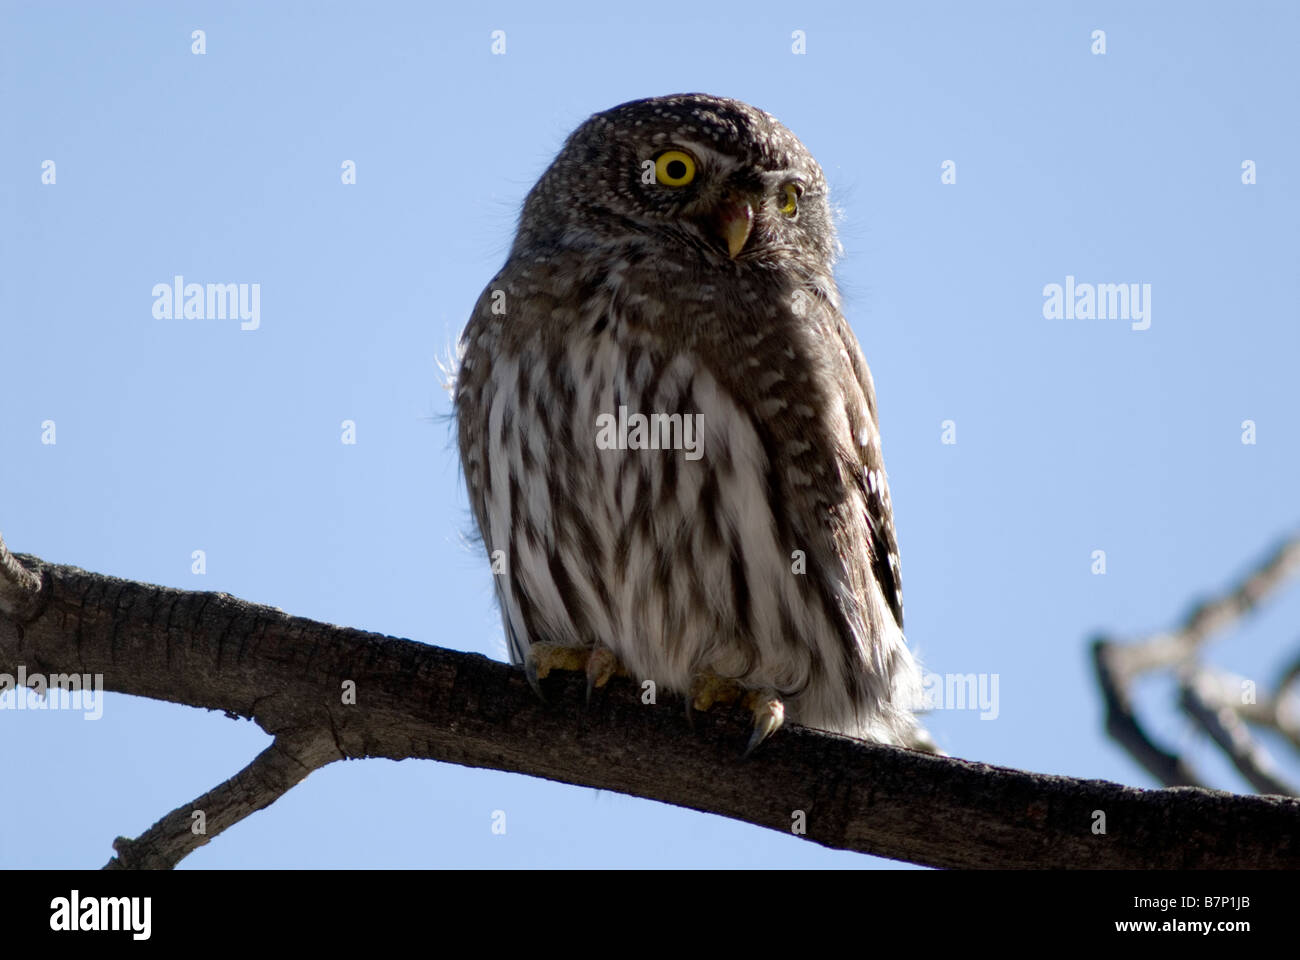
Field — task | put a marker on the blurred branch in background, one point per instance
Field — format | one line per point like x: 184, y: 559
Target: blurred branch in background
x: 1225, y: 706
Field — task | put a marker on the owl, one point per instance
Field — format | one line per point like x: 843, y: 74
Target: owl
x: 668, y: 430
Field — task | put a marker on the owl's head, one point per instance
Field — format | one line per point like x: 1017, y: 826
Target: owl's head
x: 690, y: 174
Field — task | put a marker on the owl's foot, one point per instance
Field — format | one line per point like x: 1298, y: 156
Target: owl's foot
x: 766, y: 705
x: 601, y: 665
x: 708, y: 688
x: 769, y: 714
x: 598, y: 663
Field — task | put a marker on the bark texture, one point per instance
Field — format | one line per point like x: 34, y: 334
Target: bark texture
x: 291, y: 676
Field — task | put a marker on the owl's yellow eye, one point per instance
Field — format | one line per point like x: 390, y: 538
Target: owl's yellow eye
x: 673, y: 168
x: 791, y: 205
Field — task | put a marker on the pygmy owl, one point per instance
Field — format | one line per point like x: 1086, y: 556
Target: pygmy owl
x: 668, y: 430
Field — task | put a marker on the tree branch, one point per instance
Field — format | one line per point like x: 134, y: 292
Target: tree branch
x: 1123, y: 725
x: 1117, y: 666
x: 293, y: 676
x: 284, y: 764
x: 1224, y: 725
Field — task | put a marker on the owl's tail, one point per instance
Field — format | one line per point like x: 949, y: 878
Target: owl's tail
x: 920, y: 739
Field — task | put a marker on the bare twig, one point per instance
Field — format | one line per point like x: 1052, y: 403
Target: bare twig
x: 1118, y: 666
x: 1199, y: 697
x: 282, y: 765
x: 19, y: 587
x: 1124, y: 727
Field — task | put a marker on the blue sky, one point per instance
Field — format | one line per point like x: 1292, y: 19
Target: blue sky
x: 1071, y: 435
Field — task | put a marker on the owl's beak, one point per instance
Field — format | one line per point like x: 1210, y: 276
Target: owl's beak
x: 733, y: 220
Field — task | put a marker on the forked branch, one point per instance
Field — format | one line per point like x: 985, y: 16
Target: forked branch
x: 327, y: 692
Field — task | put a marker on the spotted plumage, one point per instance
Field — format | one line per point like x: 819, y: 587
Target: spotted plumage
x: 769, y: 557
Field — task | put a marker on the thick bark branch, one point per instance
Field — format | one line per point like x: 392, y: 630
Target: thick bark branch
x: 292, y: 675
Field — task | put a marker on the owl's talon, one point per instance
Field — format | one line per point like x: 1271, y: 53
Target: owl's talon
x: 530, y: 674
x: 601, y: 665
x: 707, y: 688
x: 769, y: 714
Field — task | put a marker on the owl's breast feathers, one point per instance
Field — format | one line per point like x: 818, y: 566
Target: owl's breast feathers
x: 759, y: 545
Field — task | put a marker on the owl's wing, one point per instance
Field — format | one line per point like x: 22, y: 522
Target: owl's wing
x: 868, y: 470
x: 474, y: 392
